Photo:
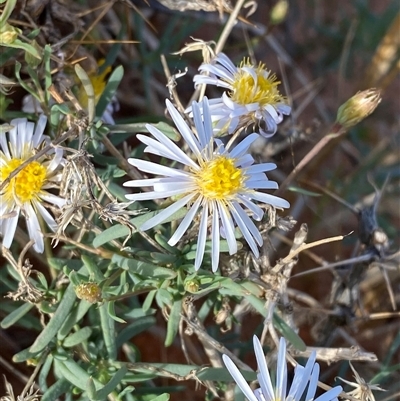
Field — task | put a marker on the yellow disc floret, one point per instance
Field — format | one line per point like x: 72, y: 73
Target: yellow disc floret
x: 261, y: 88
x: 27, y: 184
x: 219, y: 179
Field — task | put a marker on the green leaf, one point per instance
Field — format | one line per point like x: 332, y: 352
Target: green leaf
x: 302, y: 191
x: 14, y: 316
x: 112, y: 314
x: 88, y: 88
x: 59, y: 388
x: 108, y: 329
x: 7, y: 11
x: 92, y: 267
x: 109, y: 91
x: 77, y: 338
x: 144, y: 269
x: 23, y: 356
x: 135, y: 128
x: 73, y: 318
x: 112, y: 384
x: 75, y: 374
x: 133, y: 329
x: 118, y: 230
x: 162, y: 397
x: 91, y: 389
x: 173, y: 322
x: 288, y: 333
x: 59, y: 264
x: 50, y: 331
x: 221, y: 374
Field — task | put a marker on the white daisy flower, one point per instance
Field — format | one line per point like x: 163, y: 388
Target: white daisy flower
x: 252, y: 95
x: 303, y: 376
x: 26, y: 193
x: 217, y: 182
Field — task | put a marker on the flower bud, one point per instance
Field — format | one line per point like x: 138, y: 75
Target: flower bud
x: 192, y: 285
x: 358, y: 107
x: 90, y: 292
x: 8, y: 34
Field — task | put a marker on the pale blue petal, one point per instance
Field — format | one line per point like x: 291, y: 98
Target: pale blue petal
x: 215, y: 238
x: 202, y: 237
x: 263, y: 377
x: 154, y: 168
x: 229, y: 228
x: 281, y: 371
x: 239, y: 379
x: 242, y: 147
x: 183, y: 128
x: 164, y: 214
x: 185, y: 223
x: 270, y: 199
x: 249, y: 224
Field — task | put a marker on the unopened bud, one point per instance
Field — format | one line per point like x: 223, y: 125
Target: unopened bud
x: 8, y: 34
x: 90, y: 292
x: 358, y: 107
x: 279, y: 12
x: 192, y: 286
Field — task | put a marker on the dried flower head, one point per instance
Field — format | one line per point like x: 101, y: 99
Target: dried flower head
x: 31, y: 394
x: 362, y: 390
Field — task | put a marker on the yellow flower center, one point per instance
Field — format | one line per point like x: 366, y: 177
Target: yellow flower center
x: 219, y: 179
x: 263, y: 90
x: 27, y: 183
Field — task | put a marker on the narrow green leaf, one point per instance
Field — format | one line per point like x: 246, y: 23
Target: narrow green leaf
x: 221, y: 374
x: 162, y: 397
x: 118, y: 230
x: 112, y: 384
x: 44, y: 372
x: 133, y: 329
x: 112, y: 314
x: 173, y: 322
x: 50, y: 331
x: 289, y: 333
x: 108, y: 330
x: 88, y: 88
x: 59, y: 388
x: 110, y: 90
x: 144, y: 269
x: 7, y: 11
x: 91, y: 389
x: 23, y: 356
x: 14, y: 316
x: 73, y: 318
x: 302, y: 191
x: 92, y: 268
x: 77, y: 338
x: 47, y: 72
x: 135, y: 128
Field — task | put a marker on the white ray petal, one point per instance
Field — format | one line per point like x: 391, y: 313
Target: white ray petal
x: 239, y: 379
x: 34, y: 230
x: 185, y: 223
x: 215, y: 238
x: 202, y: 237
x: 163, y: 215
x: 264, y: 377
